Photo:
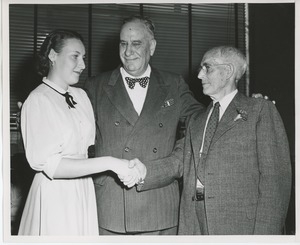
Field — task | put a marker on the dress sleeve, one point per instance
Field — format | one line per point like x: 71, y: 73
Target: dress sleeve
x: 42, y: 138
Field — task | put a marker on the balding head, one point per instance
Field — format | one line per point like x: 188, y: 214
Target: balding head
x: 230, y: 55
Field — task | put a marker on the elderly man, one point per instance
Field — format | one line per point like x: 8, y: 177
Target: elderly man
x: 235, y: 161
x: 137, y: 110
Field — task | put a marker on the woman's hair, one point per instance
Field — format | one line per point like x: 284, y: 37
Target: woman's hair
x: 56, y: 41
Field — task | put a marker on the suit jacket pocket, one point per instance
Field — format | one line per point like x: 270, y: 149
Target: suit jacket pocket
x: 100, y: 179
x: 251, y: 210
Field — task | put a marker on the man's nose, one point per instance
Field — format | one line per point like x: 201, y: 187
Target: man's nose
x: 201, y: 74
x: 128, y: 50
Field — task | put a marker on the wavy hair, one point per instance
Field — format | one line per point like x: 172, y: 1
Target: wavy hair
x: 56, y: 41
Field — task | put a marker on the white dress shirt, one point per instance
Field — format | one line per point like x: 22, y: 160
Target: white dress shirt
x: 224, y: 103
x: 138, y: 93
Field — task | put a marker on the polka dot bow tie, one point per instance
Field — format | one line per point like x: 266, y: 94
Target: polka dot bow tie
x: 143, y: 81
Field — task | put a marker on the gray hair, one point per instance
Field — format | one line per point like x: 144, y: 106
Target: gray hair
x: 150, y: 27
x: 231, y: 55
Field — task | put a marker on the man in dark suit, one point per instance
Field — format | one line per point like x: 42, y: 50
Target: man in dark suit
x: 137, y: 119
x: 234, y: 160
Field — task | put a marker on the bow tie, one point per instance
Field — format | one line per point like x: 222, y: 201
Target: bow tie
x: 143, y: 81
x: 69, y: 99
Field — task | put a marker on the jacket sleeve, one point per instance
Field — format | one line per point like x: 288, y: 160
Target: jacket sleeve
x: 275, y: 171
x: 189, y: 105
x: 163, y: 172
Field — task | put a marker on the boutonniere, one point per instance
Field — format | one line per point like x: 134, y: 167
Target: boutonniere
x: 241, y: 115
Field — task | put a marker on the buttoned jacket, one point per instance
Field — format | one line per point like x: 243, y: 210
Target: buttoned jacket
x: 151, y: 136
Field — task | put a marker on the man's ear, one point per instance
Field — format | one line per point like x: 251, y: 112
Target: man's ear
x: 152, y: 46
x: 52, y: 55
x: 230, y: 70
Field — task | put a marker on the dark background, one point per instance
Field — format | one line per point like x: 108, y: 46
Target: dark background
x: 272, y: 69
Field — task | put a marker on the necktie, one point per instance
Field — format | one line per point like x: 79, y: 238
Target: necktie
x: 209, y: 133
x: 143, y: 81
x: 211, y: 127
x: 69, y: 99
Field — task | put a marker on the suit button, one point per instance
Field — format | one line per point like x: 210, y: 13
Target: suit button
x: 160, y: 125
x: 117, y: 123
x: 154, y: 150
x: 126, y: 149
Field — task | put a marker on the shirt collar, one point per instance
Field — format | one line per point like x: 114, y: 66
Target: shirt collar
x: 225, y: 101
x: 126, y: 74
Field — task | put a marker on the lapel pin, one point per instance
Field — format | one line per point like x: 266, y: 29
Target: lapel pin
x: 168, y: 103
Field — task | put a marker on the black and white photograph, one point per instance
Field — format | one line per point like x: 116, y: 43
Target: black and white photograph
x: 167, y: 119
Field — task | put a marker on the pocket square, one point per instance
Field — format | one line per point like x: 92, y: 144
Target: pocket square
x: 168, y: 103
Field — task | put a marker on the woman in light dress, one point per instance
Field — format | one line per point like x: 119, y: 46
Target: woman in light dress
x: 57, y: 130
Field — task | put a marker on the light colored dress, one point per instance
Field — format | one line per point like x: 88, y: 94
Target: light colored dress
x: 52, y: 131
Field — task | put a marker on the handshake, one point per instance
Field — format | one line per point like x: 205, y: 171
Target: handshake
x: 133, y: 173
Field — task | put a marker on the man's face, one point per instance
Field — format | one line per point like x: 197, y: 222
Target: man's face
x: 213, y: 74
x: 136, y: 48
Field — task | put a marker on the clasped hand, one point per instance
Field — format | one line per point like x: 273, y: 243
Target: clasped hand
x: 134, y: 174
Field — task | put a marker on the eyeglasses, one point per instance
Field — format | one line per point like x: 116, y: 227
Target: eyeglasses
x: 207, y: 67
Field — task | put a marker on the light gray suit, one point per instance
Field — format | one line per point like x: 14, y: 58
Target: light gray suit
x: 247, y: 173
x: 151, y: 136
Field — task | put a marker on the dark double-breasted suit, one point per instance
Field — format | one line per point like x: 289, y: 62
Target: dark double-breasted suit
x: 122, y: 133
x: 247, y: 172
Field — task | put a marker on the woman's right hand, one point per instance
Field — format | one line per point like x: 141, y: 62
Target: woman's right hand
x: 141, y: 170
x: 127, y: 173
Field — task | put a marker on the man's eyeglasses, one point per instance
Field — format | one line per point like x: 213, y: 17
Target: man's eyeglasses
x: 206, y: 68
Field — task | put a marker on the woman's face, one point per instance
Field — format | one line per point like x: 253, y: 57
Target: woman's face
x: 68, y: 64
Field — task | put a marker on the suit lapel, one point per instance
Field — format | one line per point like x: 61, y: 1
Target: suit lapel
x: 156, y: 95
x: 197, y: 130
x: 118, y: 95
x: 227, y: 121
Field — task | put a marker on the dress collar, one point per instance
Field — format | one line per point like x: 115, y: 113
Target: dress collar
x: 55, y: 86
